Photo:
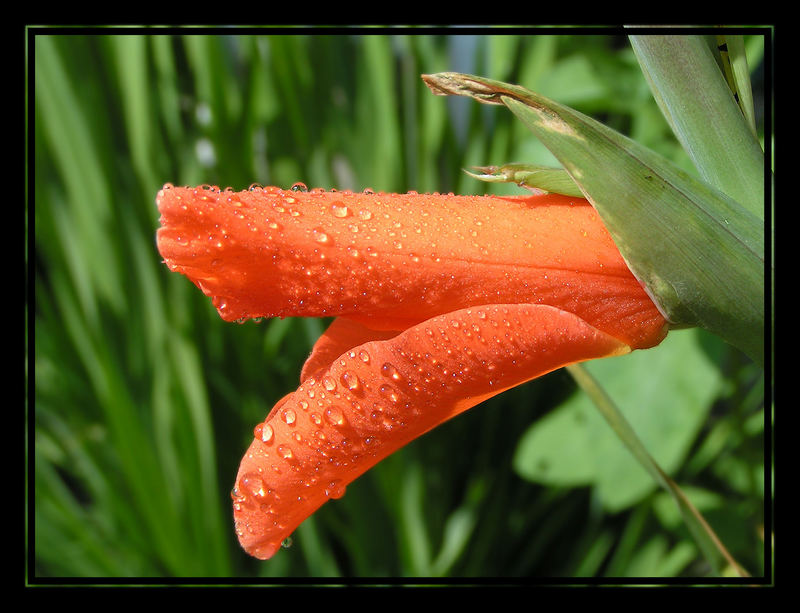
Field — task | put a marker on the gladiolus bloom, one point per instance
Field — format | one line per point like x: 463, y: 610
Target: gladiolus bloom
x: 441, y: 302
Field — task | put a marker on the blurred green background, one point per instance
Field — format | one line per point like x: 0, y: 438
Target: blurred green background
x: 145, y: 400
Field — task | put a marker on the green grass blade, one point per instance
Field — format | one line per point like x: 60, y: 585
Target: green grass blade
x: 695, y: 98
x: 737, y: 74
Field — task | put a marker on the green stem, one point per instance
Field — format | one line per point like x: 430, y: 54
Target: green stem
x: 703, y: 534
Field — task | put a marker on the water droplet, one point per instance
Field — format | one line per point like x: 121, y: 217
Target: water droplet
x: 321, y: 237
x: 334, y: 415
x: 299, y: 187
x: 236, y: 494
x: 287, y: 542
x: 351, y: 381
x: 390, y: 371
x: 289, y: 416
x: 329, y: 383
x: 285, y: 452
x: 364, y: 356
x: 365, y: 214
x: 253, y: 483
x: 263, y: 432
x: 389, y: 392
x: 255, y: 187
x: 335, y: 489
x: 339, y: 209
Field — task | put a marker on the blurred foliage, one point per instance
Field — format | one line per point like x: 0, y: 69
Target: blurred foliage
x: 145, y: 399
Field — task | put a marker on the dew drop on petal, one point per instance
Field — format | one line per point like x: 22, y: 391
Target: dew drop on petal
x: 285, y: 452
x: 321, y: 237
x: 253, y: 483
x: 299, y: 187
x: 334, y: 415
x: 263, y: 432
x: 389, y: 392
x: 335, y: 489
x: 390, y: 371
x: 289, y: 416
x: 351, y: 381
x: 339, y: 209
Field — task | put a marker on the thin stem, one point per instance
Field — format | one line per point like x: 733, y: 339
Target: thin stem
x: 704, y: 535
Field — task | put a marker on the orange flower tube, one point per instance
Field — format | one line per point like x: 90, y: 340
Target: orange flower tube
x: 441, y: 302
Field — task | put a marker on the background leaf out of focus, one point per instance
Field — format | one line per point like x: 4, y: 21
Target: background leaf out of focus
x: 145, y: 399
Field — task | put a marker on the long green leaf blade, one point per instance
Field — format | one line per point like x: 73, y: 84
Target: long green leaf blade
x: 737, y: 73
x: 694, y: 96
x: 699, y: 253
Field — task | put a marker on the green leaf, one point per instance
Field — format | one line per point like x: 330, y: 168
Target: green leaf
x: 737, y: 74
x: 699, y: 253
x: 645, y: 429
x: 573, y: 446
x: 705, y: 116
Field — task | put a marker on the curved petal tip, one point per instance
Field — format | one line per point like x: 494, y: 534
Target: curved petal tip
x: 381, y: 395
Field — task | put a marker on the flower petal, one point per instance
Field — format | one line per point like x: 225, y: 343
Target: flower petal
x: 341, y: 335
x: 378, y: 396
x: 391, y: 261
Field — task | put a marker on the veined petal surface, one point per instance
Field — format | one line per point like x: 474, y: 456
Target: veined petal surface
x: 391, y: 261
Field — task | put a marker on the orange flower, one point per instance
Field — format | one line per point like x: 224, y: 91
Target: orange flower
x: 441, y: 302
